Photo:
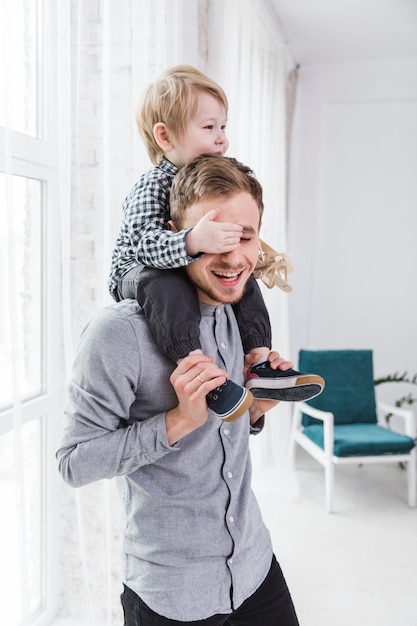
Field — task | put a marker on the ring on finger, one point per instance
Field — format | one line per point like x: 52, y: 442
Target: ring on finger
x: 200, y: 379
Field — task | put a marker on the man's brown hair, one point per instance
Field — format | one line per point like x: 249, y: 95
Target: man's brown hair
x: 211, y: 176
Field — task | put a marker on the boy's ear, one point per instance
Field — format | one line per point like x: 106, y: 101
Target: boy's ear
x: 162, y: 137
x: 171, y: 226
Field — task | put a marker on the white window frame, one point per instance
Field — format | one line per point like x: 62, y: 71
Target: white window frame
x: 38, y: 158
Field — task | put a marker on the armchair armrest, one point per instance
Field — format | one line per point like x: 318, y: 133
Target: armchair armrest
x: 324, y: 416
x: 407, y: 415
x: 328, y: 425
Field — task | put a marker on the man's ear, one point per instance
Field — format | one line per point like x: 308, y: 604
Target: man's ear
x: 171, y: 226
x: 162, y: 137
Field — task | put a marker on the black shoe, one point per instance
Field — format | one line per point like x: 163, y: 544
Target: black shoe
x: 288, y: 386
x: 229, y: 401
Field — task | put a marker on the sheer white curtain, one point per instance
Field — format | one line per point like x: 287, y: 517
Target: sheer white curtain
x: 246, y: 53
x: 116, y: 50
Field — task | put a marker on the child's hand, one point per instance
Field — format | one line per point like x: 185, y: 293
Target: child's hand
x: 213, y: 237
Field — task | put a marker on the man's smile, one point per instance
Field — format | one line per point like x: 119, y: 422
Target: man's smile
x: 228, y: 277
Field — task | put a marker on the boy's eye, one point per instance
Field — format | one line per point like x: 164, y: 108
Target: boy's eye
x: 245, y: 238
x: 209, y: 126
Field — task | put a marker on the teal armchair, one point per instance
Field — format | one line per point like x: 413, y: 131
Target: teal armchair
x: 344, y: 425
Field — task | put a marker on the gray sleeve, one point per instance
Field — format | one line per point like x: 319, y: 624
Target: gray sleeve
x: 99, y: 439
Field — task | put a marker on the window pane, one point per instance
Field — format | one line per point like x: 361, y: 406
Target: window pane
x: 20, y: 66
x: 20, y: 523
x: 21, y: 281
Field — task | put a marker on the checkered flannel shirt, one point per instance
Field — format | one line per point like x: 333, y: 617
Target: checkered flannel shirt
x: 143, y: 236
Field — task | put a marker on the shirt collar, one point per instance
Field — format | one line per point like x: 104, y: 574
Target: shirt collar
x: 210, y: 309
x: 168, y: 167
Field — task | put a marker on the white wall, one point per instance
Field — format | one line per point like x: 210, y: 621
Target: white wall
x: 353, y: 211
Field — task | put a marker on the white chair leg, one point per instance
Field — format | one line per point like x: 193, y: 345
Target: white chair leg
x: 412, y: 479
x: 329, y: 485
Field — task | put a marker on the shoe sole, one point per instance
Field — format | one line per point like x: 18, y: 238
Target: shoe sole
x: 244, y: 405
x: 290, y: 389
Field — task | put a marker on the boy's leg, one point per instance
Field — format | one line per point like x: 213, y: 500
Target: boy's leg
x: 253, y: 318
x: 255, y: 330
x: 171, y: 308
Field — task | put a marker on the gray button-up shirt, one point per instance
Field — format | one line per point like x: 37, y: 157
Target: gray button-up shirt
x: 194, y: 541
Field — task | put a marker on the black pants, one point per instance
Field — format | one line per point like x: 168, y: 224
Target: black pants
x: 170, y: 304
x: 270, y: 605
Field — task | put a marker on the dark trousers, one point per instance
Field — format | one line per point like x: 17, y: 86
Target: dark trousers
x: 170, y: 304
x: 270, y: 605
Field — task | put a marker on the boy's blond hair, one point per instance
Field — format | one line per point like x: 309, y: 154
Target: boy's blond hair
x: 172, y: 100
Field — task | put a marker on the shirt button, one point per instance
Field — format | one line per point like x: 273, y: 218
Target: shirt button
x: 230, y: 474
x: 226, y: 431
x: 231, y: 519
x: 222, y: 345
x: 230, y: 561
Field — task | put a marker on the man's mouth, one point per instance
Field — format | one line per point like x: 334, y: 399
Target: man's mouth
x: 228, y: 278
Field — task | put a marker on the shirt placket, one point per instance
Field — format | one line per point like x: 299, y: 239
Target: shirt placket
x: 228, y: 476
x: 226, y: 431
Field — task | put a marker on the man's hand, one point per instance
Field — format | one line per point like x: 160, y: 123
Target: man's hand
x: 213, y: 237
x: 192, y: 380
x: 260, y: 407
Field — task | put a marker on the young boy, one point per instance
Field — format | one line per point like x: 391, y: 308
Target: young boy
x: 183, y: 115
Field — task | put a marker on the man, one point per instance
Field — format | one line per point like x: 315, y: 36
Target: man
x: 195, y: 547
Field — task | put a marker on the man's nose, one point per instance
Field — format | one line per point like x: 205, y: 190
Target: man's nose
x: 232, y: 257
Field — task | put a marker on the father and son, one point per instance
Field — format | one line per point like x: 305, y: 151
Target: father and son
x: 171, y: 381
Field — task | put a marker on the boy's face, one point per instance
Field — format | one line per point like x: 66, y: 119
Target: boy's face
x: 221, y: 278
x: 205, y: 132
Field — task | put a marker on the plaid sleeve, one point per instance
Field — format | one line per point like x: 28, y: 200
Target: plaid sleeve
x: 143, y: 237
x: 146, y: 216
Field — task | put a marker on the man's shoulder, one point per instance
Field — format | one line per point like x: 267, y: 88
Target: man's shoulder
x: 123, y: 309
x: 116, y: 320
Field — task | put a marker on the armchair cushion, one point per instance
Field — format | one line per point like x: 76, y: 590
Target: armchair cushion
x: 362, y: 440
x: 349, y: 392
